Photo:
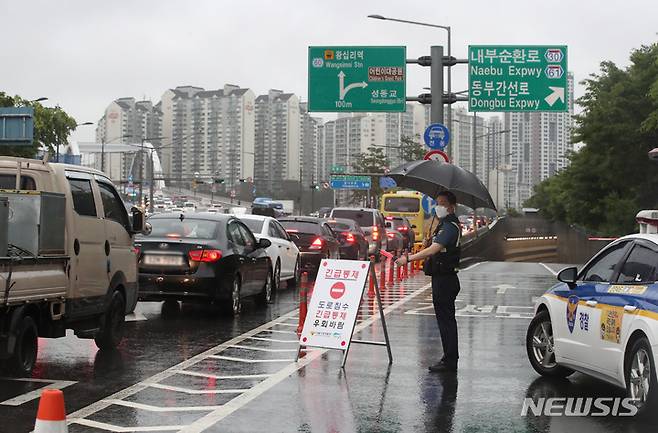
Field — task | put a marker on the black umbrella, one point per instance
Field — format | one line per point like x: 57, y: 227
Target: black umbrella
x: 431, y: 177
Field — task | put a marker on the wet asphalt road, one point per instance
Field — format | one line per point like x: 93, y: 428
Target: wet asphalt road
x: 197, y: 371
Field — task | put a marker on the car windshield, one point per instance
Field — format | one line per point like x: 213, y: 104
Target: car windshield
x: 188, y: 228
x: 339, y: 227
x: 401, y: 204
x: 255, y: 226
x: 362, y: 218
x: 301, y: 227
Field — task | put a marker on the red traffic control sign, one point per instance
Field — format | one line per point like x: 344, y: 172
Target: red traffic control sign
x: 337, y: 290
x: 437, y: 155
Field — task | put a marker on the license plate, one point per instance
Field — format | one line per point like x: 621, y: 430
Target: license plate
x: 161, y: 260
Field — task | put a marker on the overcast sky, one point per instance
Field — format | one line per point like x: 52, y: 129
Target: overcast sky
x: 82, y: 54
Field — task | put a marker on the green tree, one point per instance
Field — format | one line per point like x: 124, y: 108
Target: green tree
x: 611, y: 178
x: 411, y: 149
x: 372, y: 161
x: 52, y: 126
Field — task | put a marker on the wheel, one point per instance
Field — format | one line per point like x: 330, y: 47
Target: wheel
x: 540, y: 348
x: 234, y: 305
x: 112, y: 323
x: 265, y: 297
x: 170, y: 308
x: 22, y: 361
x: 640, y: 373
x: 276, y: 278
x: 294, y: 281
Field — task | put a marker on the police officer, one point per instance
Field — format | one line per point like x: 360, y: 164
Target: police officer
x: 443, y: 259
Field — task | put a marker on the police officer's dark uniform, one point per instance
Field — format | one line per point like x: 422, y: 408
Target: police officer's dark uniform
x: 445, y: 287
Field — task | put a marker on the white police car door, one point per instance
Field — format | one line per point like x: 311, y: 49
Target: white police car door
x: 578, y: 335
x: 619, y: 303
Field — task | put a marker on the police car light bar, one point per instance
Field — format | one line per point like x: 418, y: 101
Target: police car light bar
x: 648, y: 221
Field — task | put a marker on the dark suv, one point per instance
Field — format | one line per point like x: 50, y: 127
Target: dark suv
x: 402, y: 225
x: 371, y: 222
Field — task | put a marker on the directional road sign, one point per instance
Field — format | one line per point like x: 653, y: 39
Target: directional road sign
x: 437, y: 136
x: 517, y: 78
x: 387, y: 182
x: 350, y: 182
x: 428, y: 204
x: 356, y: 79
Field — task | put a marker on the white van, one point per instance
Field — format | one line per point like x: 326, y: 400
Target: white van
x: 100, y: 262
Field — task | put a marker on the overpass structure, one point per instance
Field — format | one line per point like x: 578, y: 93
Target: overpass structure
x: 532, y: 239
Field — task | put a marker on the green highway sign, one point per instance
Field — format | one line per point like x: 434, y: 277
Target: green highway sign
x: 338, y: 169
x: 517, y: 78
x: 356, y: 79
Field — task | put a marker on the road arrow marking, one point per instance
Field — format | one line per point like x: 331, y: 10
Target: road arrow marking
x: 558, y: 93
x: 341, y: 85
x: 502, y: 288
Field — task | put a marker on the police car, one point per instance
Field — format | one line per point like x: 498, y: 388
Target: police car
x: 603, y: 320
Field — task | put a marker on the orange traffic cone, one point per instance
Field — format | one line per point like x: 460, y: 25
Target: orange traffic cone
x: 51, y: 417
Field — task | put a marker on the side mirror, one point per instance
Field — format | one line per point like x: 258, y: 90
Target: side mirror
x: 388, y: 224
x: 264, y: 243
x: 138, y: 224
x: 568, y: 276
x: 413, y: 226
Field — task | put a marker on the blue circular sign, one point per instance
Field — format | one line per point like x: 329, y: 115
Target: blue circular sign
x: 428, y: 204
x: 437, y: 136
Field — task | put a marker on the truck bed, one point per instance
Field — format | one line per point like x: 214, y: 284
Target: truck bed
x: 28, y: 279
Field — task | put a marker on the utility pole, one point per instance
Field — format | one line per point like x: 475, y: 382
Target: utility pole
x: 436, y: 84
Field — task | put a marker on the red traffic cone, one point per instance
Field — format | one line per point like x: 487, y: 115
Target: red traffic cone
x: 51, y: 417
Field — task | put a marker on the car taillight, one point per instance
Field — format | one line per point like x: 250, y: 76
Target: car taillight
x: 316, y: 244
x: 375, y: 234
x: 390, y: 235
x: 402, y: 228
x: 206, y: 256
x: 349, y: 238
x: 137, y: 251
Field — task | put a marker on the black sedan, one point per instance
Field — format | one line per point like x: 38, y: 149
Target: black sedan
x: 314, y: 238
x: 353, y: 242
x: 207, y: 257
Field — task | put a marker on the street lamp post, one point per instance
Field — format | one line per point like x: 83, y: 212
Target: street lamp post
x: 435, y: 117
x: 108, y: 142
x: 76, y: 126
x: 141, y: 167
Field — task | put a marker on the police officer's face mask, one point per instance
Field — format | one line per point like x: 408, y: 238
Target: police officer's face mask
x: 441, y: 211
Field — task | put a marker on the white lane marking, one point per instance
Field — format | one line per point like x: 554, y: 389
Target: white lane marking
x: 502, y: 288
x: 119, y: 429
x: 151, y: 408
x: 276, y: 331
x: 215, y: 376
x: 468, y: 268
x: 248, y: 361
x: 549, y: 269
x: 34, y: 394
x: 195, y: 391
x: 274, y: 340
x: 80, y: 414
x: 262, y: 349
x: 287, y: 324
x: 217, y: 415
x: 135, y: 317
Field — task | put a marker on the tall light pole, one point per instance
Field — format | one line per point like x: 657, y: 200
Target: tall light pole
x: 76, y: 126
x: 141, y: 165
x: 108, y: 142
x: 447, y: 29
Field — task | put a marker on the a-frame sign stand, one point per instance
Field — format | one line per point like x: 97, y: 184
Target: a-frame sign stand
x: 382, y: 317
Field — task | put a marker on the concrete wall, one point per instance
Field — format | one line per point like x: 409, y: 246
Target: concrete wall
x: 534, y: 240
